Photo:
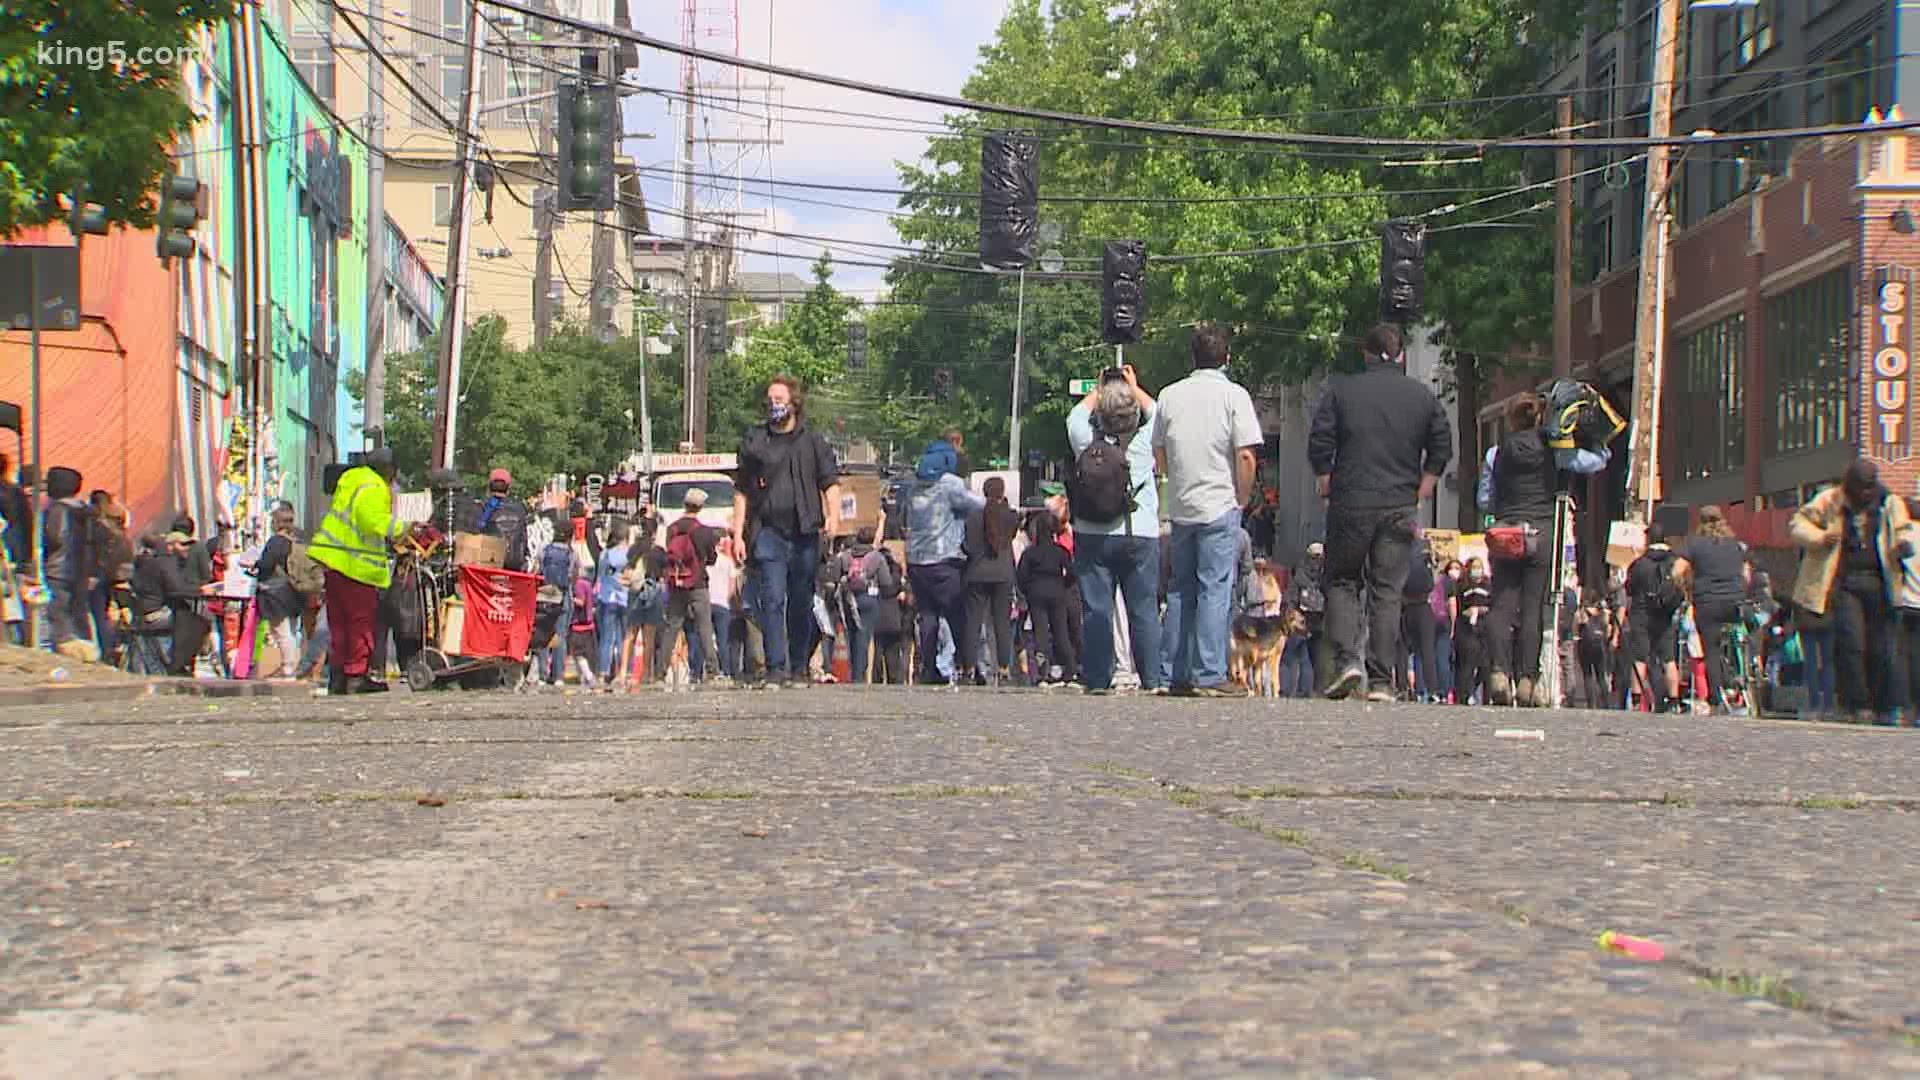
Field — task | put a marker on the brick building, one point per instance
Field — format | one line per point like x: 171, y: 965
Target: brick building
x: 1781, y: 254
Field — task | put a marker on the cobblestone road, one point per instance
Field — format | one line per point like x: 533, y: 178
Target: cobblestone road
x: 835, y: 882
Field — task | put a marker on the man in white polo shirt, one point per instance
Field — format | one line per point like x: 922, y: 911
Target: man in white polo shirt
x: 1205, y: 443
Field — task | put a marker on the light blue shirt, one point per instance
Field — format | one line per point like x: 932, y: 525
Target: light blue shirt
x: 608, y: 589
x: 937, y: 520
x: 1146, y: 513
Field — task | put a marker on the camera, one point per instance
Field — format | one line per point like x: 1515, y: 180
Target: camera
x: 1113, y: 374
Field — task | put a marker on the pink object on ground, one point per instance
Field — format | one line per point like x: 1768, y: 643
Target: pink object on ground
x: 1638, y: 948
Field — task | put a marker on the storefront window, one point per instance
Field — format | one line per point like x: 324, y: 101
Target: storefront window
x: 1809, y: 331
x: 1705, y: 409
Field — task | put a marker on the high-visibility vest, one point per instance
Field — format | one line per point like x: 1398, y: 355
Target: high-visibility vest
x: 353, y: 537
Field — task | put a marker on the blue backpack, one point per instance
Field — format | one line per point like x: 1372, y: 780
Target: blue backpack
x: 556, y: 565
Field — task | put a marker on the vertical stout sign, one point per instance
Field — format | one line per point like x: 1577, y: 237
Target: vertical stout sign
x: 1890, y: 411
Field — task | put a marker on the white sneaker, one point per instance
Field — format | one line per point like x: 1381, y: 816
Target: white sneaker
x: 1350, y: 681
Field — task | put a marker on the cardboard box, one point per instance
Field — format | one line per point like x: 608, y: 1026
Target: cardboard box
x: 1625, y: 541
x: 859, y: 503
x: 477, y: 549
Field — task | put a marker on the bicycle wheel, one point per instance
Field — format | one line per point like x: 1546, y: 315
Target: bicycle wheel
x: 1737, y: 694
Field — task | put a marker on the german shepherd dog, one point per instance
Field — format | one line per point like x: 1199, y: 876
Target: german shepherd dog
x: 1258, y: 642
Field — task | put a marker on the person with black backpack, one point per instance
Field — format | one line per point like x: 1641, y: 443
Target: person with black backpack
x: 1115, y: 508
x: 1654, y: 600
x: 868, y: 583
x: 690, y: 548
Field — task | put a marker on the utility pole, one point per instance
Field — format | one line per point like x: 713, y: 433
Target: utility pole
x: 374, y: 423
x: 1650, y: 301
x: 695, y: 396
x: 544, y: 198
x: 1563, y: 247
x: 453, y: 331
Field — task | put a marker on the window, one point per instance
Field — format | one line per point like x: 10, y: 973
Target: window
x: 312, y: 18
x: 1599, y: 244
x: 1600, y: 104
x: 453, y: 80
x: 1641, y: 92
x: 1753, y: 31
x: 453, y: 19
x: 1841, y: 90
x: 1809, y: 356
x: 442, y: 205
x: 1734, y: 168
x: 316, y: 66
x: 523, y: 80
x: 1704, y: 409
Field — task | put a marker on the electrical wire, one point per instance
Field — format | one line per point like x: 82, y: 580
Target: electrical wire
x: 1185, y: 130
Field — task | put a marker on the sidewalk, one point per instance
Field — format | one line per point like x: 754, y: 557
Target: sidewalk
x: 37, y: 677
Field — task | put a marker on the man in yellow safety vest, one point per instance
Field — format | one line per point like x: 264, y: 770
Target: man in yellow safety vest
x: 351, y: 543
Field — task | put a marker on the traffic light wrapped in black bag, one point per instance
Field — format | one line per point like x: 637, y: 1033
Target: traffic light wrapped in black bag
x: 1579, y: 417
x: 1009, y: 200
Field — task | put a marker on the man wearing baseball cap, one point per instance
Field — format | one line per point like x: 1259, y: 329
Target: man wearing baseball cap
x: 504, y: 516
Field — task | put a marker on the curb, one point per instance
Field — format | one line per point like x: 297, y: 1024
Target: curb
x: 66, y: 694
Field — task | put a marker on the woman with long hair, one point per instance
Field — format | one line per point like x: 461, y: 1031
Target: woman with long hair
x: 1046, y: 575
x: 1523, y: 483
x: 610, y: 598
x: 989, y: 547
x: 1470, y: 635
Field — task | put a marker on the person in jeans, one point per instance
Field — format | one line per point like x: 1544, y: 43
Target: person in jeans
x: 611, y: 582
x: 1856, y: 539
x: 786, y: 493
x: 1205, y: 442
x: 723, y: 586
x: 936, y: 565
x: 689, y: 595
x: 1118, y: 560
x: 1378, y: 445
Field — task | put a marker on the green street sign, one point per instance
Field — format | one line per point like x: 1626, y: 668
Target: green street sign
x: 1081, y: 387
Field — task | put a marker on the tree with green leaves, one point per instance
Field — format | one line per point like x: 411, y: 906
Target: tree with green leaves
x: 90, y: 99
x: 1306, y: 217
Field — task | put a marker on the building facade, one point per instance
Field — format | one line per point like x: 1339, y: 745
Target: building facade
x: 521, y: 63
x: 1780, y: 254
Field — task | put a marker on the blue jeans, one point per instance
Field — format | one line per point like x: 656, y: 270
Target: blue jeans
x: 1131, y: 564
x: 786, y: 570
x: 1200, y: 600
x: 723, y: 636
x: 1816, y: 646
x: 1296, y: 667
x: 611, y: 622
x: 555, y: 655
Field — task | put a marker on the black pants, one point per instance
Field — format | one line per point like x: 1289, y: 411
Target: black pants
x: 890, y: 657
x: 1711, y: 618
x: 1469, y: 662
x: 189, y: 633
x: 1594, y: 668
x: 1910, y: 661
x: 1370, y: 550
x: 1052, y: 640
x: 990, y: 603
x: 1513, y: 623
x: 1417, y: 639
x: 1862, y: 647
x: 940, y: 592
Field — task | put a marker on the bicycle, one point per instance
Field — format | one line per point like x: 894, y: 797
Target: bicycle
x: 1745, y: 681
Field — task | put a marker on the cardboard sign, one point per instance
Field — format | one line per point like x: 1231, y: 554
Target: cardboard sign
x: 1625, y: 541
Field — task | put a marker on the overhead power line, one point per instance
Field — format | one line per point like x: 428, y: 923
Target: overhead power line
x: 1153, y: 127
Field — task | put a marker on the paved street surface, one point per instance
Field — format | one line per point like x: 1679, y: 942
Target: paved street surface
x: 837, y: 882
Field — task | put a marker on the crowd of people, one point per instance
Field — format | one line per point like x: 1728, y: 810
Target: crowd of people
x: 1097, y: 585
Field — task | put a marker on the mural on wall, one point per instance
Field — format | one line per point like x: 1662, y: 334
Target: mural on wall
x: 205, y: 398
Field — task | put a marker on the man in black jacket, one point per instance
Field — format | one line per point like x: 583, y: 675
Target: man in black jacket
x: 786, y: 494
x: 68, y: 554
x: 1379, y: 443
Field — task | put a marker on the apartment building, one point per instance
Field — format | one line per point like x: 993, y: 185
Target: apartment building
x: 521, y: 61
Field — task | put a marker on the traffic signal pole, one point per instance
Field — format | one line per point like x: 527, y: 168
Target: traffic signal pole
x: 453, y: 328
x: 1013, y: 400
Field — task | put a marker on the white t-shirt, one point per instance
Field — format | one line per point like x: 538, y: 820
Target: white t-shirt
x: 720, y: 581
x: 1205, y: 420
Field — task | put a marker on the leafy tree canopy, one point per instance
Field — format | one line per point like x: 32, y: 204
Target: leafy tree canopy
x: 103, y: 115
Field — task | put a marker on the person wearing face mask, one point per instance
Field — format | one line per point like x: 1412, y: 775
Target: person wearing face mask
x: 786, y: 496
x: 1472, y: 661
x: 1446, y: 589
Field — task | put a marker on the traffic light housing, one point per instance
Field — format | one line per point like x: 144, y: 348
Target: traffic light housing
x: 181, y: 208
x: 1009, y: 200
x: 715, y: 332
x: 86, y: 219
x: 588, y: 115
x: 1403, y: 276
x: 942, y: 384
x: 1123, y: 272
x: 856, y: 346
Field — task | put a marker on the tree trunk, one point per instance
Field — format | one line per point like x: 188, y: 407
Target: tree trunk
x: 1466, y: 380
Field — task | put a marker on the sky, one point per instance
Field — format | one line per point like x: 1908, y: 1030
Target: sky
x: 923, y: 44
